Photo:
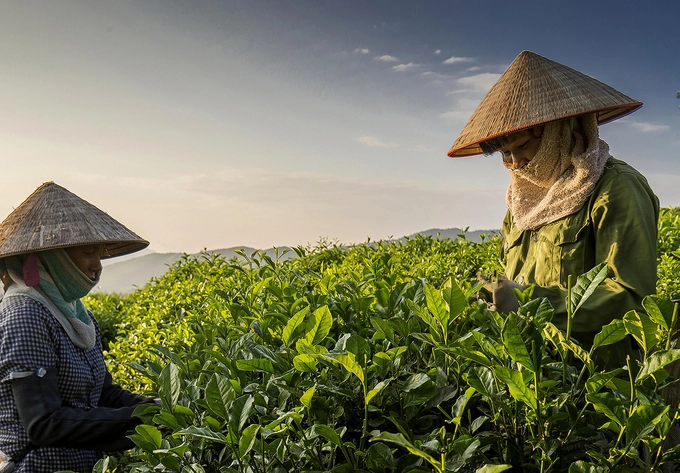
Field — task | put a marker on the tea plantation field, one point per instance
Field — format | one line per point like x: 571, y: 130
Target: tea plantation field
x: 383, y: 357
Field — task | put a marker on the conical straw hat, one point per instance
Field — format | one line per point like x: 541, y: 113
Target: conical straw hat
x: 52, y: 217
x: 535, y: 90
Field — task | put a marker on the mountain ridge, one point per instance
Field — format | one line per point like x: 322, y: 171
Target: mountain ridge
x: 126, y: 274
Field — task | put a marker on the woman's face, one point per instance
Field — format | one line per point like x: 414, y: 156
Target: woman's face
x: 87, y: 259
x: 521, y: 147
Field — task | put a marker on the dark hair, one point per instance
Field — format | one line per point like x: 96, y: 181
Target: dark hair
x: 492, y: 145
x: 489, y: 147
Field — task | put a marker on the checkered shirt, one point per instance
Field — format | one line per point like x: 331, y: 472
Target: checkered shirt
x: 31, y: 338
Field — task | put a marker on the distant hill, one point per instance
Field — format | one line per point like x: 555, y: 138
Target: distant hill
x: 127, y: 273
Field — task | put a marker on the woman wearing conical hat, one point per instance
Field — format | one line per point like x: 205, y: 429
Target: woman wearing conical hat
x: 571, y: 205
x: 59, y: 407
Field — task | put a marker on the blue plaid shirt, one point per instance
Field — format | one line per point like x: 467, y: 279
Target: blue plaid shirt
x: 30, y: 339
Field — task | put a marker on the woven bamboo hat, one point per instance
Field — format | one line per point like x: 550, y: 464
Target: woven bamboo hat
x: 52, y: 217
x: 535, y: 90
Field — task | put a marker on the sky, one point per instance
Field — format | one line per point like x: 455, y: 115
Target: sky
x: 207, y: 124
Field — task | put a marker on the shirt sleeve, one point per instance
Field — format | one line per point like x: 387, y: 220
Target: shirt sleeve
x: 27, y: 342
x: 624, y: 218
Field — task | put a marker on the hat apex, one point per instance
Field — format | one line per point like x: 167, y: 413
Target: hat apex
x: 53, y: 217
x: 535, y: 90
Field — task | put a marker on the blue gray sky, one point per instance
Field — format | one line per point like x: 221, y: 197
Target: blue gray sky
x: 218, y: 123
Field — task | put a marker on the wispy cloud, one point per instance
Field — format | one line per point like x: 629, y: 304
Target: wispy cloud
x: 374, y: 142
x: 463, y: 110
x: 456, y: 115
x: 456, y: 60
x: 405, y: 67
x: 646, y: 127
x: 479, y: 82
x: 438, y: 52
x: 386, y: 58
x: 362, y: 51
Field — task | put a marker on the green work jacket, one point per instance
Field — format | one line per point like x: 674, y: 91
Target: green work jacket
x: 617, y: 224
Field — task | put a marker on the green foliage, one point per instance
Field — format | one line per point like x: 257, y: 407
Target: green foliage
x: 669, y: 252
x: 108, y: 310
x: 379, y: 357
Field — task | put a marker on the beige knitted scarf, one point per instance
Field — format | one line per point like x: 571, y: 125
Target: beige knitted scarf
x: 561, y: 176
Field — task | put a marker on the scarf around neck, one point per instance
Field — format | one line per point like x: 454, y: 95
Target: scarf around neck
x: 59, y: 286
x: 561, y: 176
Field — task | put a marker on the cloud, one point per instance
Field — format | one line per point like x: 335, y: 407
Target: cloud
x: 438, y: 52
x: 464, y: 109
x: 386, y: 58
x: 374, y: 142
x: 362, y: 51
x: 456, y: 115
x: 405, y: 67
x: 456, y: 60
x: 646, y: 127
x: 480, y: 82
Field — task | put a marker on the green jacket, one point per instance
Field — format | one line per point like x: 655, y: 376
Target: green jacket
x: 617, y: 224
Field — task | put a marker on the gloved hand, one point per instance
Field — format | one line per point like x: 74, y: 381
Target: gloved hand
x: 502, y: 290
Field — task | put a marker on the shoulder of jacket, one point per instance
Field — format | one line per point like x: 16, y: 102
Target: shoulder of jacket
x: 617, y: 166
x: 22, y: 306
x: 616, y: 169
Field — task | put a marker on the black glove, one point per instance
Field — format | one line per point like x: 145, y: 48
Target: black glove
x: 48, y: 423
x: 115, y: 396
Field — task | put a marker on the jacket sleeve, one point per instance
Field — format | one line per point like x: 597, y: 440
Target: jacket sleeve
x: 48, y: 423
x: 115, y: 396
x: 624, y: 218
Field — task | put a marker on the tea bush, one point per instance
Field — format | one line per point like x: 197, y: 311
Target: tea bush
x: 380, y: 357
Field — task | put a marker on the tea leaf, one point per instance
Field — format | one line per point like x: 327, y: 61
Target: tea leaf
x: 643, y: 421
x: 400, y: 440
x: 641, y: 327
x: 657, y: 361
x: 437, y: 306
x: 425, y: 316
x: 379, y: 457
x: 327, y: 432
x: 239, y: 412
x: 294, y: 322
x: 306, y: 398
x: 513, y: 341
x: 255, y: 364
x: 481, y: 379
x: 598, y: 380
x: 149, y: 437
x: 476, y: 356
x: 493, y: 468
x: 348, y: 361
x: 586, y: 285
x: 518, y: 389
x: 218, y: 394
x: 585, y: 467
x: 608, y: 405
x: 383, y: 327
x: 204, y: 433
x: 455, y: 298
x: 318, y: 325
x: 169, y: 386
x: 613, y: 332
x: 415, y: 381
x: 373, y: 392
x: 659, y: 309
x: 245, y: 444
